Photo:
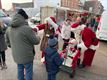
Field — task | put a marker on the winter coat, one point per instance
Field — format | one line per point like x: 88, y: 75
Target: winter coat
x: 21, y: 39
x: 89, y: 39
x: 53, y: 60
x: 44, y: 41
x: 3, y: 46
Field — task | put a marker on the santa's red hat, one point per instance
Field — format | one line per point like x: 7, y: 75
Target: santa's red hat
x: 51, y: 20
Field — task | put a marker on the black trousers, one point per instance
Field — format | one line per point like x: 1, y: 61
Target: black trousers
x: 65, y: 43
x: 2, y: 56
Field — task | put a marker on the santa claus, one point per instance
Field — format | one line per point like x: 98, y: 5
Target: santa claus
x: 88, y: 45
x: 50, y: 28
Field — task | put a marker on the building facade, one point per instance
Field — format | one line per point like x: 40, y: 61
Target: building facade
x: 0, y: 5
x: 82, y: 1
x: 40, y: 3
x: 72, y: 4
x: 81, y: 4
x: 94, y: 6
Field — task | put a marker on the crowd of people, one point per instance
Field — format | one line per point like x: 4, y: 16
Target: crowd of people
x: 21, y: 39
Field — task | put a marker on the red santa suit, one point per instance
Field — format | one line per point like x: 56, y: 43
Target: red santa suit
x: 76, y: 28
x: 50, y: 28
x: 89, y: 44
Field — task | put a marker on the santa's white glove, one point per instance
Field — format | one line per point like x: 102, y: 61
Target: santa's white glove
x: 79, y: 45
x: 94, y: 47
x: 47, y: 35
x: 36, y: 29
x: 43, y: 59
x: 82, y: 47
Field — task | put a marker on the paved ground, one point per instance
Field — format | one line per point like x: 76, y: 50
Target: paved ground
x: 98, y: 71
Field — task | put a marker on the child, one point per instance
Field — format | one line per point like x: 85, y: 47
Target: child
x: 72, y: 42
x: 3, y: 47
x: 65, y: 32
x: 52, y: 58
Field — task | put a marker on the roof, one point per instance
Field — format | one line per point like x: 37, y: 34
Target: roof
x: 24, y: 5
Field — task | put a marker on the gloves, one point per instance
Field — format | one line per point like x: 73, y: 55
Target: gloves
x: 34, y: 29
x: 79, y: 45
x: 82, y: 47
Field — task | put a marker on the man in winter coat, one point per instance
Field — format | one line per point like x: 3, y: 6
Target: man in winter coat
x: 22, y: 39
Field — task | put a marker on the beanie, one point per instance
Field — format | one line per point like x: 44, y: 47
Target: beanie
x: 23, y: 13
x: 52, y: 41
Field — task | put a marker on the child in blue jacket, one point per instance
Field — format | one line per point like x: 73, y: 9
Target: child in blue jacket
x: 52, y: 58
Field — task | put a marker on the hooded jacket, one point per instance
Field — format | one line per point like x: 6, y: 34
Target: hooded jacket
x: 53, y: 60
x: 21, y: 39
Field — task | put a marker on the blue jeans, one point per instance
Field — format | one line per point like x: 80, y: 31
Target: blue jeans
x: 29, y: 71
x: 51, y: 76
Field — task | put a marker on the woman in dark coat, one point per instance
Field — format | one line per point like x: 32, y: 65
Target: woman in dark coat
x: 3, y: 46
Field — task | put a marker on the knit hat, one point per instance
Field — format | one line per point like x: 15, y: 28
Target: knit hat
x: 52, y: 41
x: 51, y: 21
x: 23, y: 13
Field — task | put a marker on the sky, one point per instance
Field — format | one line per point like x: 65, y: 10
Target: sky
x: 7, y: 4
x: 104, y: 2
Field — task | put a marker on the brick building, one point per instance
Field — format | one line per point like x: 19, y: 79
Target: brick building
x: 72, y: 4
x: 0, y: 5
x: 94, y: 6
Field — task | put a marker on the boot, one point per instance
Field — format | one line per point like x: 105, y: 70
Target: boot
x: 78, y: 62
x: 4, y: 65
x: 82, y: 66
x: 72, y: 74
x: 1, y: 67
